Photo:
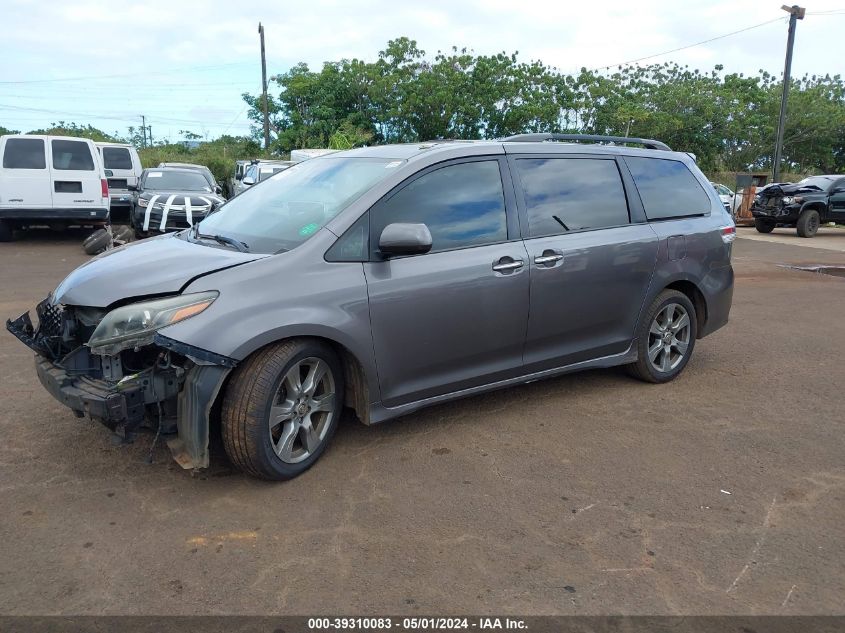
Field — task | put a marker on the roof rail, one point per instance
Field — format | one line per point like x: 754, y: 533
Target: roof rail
x: 541, y: 137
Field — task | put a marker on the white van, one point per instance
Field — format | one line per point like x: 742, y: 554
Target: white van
x: 122, y: 160
x: 50, y: 180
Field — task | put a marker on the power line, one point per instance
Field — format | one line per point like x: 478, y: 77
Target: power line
x: 127, y: 118
x: 683, y: 48
x: 122, y: 75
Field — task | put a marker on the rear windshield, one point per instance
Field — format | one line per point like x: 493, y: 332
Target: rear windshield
x: 117, y: 158
x: 291, y: 206
x: 72, y: 156
x: 24, y: 153
x: 182, y: 180
x: 667, y: 188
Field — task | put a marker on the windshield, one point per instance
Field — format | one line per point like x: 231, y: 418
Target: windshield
x: 817, y: 182
x: 265, y: 171
x: 288, y: 208
x: 183, y: 180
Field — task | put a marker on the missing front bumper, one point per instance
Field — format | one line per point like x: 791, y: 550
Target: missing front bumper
x: 121, y: 404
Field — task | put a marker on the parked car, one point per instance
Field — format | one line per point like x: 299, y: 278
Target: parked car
x: 215, y: 187
x: 171, y: 199
x: 386, y: 279
x: 50, y: 180
x: 123, y: 168
x: 803, y: 205
x: 261, y: 170
x: 731, y: 200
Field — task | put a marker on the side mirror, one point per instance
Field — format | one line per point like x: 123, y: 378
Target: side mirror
x: 218, y: 189
x: 249, y: 180
x: 132, y: 187
x: 405, y: 239
x: 238, y: 176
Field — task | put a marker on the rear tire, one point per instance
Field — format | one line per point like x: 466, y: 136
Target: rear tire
x: 7, y: 233
x: 808, y: 223
x: 96, y: 242
x: 665, y: 338
x: 764, y: 226
x: 278, y: 416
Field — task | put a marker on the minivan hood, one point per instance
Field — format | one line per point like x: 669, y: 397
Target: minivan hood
x: 157, y: 266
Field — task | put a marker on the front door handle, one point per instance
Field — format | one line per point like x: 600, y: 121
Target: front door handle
x: 506, y: 265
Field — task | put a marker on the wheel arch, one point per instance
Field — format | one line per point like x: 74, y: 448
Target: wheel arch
x: 357, y: 379
x: 696, y: 297
x: 817, y: 205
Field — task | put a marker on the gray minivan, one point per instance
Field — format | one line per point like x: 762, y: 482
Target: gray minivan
x: 386, y: 279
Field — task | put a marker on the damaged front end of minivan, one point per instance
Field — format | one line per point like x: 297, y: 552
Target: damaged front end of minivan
x: 113, y: 366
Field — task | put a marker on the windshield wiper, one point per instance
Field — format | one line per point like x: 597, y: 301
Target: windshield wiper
x: 559, y: 221
x: 221, y: 239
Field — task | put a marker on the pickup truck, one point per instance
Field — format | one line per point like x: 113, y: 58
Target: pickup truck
x: 803, y: 205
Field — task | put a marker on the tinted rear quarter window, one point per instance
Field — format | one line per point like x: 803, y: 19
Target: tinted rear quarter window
x: 462, y: 205
x: 571, y: 194
x: 667, y: 188
x: 24, y: 153
x: 116, y: 158
x: 72, y: 155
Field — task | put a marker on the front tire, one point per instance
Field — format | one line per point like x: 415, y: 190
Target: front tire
x: 281, y: 408
x: 808, y: 223
x: 665, y: 338
x: 764, y: 226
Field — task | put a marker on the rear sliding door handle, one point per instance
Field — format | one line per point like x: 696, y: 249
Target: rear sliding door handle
x: 542, y: 260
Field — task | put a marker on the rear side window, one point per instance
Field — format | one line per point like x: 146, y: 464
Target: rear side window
x: 571, y: 194
x: 72, y: 155
x: 462, y: 205
x: 24, y: 153
x: 667, y: 188
x: 116, y: 158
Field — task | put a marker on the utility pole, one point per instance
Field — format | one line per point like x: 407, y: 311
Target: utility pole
x: 150, y: 128
x: 144, y: 130
x: 264, y: 88
x: 795, y: 13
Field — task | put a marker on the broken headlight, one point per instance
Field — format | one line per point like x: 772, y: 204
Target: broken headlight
x: 133, y: 324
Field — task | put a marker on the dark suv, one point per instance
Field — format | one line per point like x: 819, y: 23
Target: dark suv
x: 804, y: 205
x: 386, y: 279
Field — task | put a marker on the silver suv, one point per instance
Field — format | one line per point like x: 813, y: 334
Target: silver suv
x: 386, y: 279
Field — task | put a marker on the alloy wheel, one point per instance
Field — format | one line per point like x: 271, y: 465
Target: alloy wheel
x: 303, y: 410
x: 669, y: 337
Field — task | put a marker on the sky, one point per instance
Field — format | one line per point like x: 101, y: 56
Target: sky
x: 184, y: 64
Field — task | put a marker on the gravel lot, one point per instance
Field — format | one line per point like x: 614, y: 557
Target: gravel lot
x: 588, y: 494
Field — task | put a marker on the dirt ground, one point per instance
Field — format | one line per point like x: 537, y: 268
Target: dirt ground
x: 722, y: 492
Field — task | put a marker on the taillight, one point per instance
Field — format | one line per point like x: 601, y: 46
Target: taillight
x: 728, y: 234
x: 104, y: 187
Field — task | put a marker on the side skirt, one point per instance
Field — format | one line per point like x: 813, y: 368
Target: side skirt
x: 380, y: 413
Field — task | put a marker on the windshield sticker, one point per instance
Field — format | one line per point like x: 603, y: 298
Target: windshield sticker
x: 155, y: 174
x: 266, y: 170
x: 393, y: 164
x: 308, y: 229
